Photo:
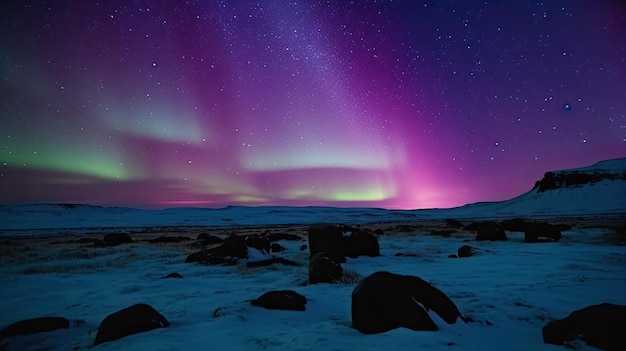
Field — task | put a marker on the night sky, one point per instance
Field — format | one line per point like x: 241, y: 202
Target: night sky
x: 394, y: 104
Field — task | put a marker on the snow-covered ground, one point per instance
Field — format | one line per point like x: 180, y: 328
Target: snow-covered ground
x: 510, y: 289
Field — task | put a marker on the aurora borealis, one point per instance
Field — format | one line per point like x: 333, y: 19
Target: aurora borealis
x: 394, y: 104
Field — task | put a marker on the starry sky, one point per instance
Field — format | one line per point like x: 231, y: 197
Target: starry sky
x: 392, y: 104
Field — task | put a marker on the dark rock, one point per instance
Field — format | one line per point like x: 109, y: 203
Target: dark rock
x: 379, y: 232
x: 277, y: 248
x: 281, y: 300
x: 210, y: 239
x: 322, y: 269
x: 231, y: 249
x: 259, y: 242
x: 514, y: 225
x: 117, y: 239
x: 453, y: 256
x: 34, y: 325
x: 131, y: 320
x: 574, y: 178
x: 465, y: 251
x: 453, y: 223
x: 602, y: 326
x: 172, y: 275
x: 541, y: 232
x: 359, y: 243
x: 271, y: 261
x: 337, y: 242
x: 304, y: 247
x: 327, y: 239
x: 385, y: 301
x: 487, y: 231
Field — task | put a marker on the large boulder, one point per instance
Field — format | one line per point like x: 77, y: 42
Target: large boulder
x: 34, y: 325
x: 465, y: 251
x: 231, y: 249
x: 281, y: 300
x: 259, y: 242
x: 339, y: 241
x: 602, y: 326
x: 385, y: 301
x: 487, y: 231
x: 131, y: 320
x: 534, y: 231
x: 322, y: 269
x: 541, y: 232
x: 514, y: 224
x: 359, y: 243
x: 327, y: 239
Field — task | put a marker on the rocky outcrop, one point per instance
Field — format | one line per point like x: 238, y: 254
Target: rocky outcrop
x: 602, y: 326
x: 385, y: 301
x: 281, y: 300
x: 535, y: 231
x: 327, y: 239
x: 131, y: 320
x: 34, y: 325
x: 487, y: 231
x: 575, y: 178
x: 231, y: 249
x: 339, y: 242
x: 322, y: 269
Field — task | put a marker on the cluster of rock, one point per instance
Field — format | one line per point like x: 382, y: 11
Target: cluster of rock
x: 533, y: 231
x: 568, y: 179
x: 380, y: 302
x: 329, y: 246
x: 131, y: 320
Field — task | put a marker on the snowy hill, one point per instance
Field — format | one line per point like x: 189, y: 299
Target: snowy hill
x: 596, y: 190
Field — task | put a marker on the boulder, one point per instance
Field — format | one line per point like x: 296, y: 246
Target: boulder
x: 465, y: 251
x: 259, y: 242
x: 602, y: 326
x: 231, y: 249
x: 385, y: 301
x: 541, y: 232
x: 488, y: 231
x: 514, y: 225
x: 281, y: 300
x: 208, y: 239
x: 34, y: 325
x: 172, y: 275
x: 359, y: 243
x: 131, y: 320
x: 337, y: 242
x: 117, y: 239
x: 322, y: 269
x: 327, y: 239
